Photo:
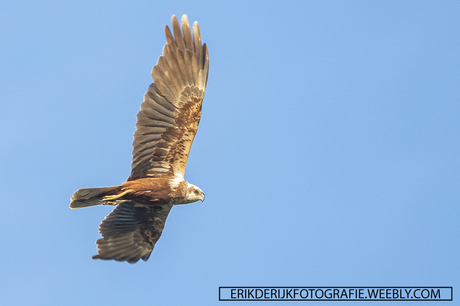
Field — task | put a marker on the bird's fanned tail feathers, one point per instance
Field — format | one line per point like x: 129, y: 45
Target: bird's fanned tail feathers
x: 86, y: 197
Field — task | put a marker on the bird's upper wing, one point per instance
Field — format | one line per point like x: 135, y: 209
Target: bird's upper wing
x: 169, y: 116
x: 130, y: 232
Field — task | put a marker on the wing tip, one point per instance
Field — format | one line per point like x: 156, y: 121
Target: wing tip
x: 131, y: 260
x: 184, y: 18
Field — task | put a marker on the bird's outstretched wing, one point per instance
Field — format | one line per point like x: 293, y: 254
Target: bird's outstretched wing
x: 169, y: 116
x: 130, y: 232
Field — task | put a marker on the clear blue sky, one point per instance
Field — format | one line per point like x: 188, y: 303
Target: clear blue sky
x: 328, y: 148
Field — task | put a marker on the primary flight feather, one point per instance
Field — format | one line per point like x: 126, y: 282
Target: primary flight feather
x: 165, y: 129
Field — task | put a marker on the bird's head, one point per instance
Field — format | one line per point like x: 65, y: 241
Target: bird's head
x: 194, y: 193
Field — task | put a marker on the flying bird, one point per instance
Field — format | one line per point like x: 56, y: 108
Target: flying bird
x: 165, y: 129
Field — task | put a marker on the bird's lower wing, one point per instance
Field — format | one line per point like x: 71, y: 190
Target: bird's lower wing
x: 130, y: 232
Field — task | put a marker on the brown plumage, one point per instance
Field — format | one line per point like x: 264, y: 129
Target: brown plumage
x: 165, y: 129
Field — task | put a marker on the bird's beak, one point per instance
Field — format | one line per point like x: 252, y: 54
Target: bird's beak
x: 202, y: 200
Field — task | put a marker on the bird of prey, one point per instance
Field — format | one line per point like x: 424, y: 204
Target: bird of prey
x: 165, y: 129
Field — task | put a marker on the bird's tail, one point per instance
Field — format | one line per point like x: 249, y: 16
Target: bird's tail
x: 91, y: 196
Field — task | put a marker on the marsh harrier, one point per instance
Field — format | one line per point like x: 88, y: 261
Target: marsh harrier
x: 165, y: 129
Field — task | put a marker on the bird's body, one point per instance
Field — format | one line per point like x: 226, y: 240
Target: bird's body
x: 165, y: 129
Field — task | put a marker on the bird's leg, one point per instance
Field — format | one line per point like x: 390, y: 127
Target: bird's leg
x: 115, y: 196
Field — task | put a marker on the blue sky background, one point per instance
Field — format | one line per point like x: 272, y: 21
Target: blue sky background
x: 328, y: 148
